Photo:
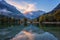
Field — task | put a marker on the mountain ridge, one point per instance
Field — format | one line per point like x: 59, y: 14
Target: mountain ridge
x: 14, y: 12
x: 34, y: 14
x: 17, y: 14
x: 56, y: 8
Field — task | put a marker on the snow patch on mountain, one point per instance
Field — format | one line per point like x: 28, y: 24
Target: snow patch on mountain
x: 34, y: 14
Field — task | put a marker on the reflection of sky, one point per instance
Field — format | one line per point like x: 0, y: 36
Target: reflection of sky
x: 30, y: 5
x: 31, y: 32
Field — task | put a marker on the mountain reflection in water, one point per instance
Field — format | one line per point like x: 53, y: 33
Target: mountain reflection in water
x: 33, y: 33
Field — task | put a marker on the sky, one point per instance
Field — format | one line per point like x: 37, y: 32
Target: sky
x: 34, y: 5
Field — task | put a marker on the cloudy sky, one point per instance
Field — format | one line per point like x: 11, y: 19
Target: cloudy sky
x: 34, y: 5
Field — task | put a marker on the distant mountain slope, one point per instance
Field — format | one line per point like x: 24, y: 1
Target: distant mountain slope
x: 56, y: 8
x: 9, y: 10
x: 53, y: 16
x: 34, y: 14
x: 4, y: 5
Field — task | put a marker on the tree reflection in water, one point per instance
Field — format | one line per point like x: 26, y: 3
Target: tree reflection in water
x: 33, y: 33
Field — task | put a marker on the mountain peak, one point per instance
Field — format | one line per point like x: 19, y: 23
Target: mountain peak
x: 34, y: 14
x: 10, y: 10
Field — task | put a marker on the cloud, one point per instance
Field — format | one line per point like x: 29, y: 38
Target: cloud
x: 23, y: 6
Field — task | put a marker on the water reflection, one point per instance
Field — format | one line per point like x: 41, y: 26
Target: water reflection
x: 10, y: 31
x: 31, y: 32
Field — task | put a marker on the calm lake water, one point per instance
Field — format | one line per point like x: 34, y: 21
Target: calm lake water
x: 9, y: 31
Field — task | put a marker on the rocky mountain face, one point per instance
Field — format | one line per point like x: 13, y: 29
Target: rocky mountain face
x: 34, y: 14
x: 9, y: 10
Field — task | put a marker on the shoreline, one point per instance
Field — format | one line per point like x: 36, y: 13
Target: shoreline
x: 50, y: 22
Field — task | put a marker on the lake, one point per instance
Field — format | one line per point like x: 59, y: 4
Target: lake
x: 7, y: 32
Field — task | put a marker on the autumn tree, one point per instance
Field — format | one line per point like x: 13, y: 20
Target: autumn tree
x: 57, y: 15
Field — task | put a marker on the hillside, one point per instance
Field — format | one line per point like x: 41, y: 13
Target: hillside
x: 53, y: 16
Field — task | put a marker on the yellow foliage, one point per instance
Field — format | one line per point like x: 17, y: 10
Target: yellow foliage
x: 57, y: 15
x: 41, y: 18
